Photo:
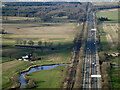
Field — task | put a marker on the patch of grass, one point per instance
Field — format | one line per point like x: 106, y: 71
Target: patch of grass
x: 115, y: 77
x: 103, y: 41
x: 112, y: 15
x: 48, y: 78
x: 116, y: 60
x: 7, y: 74
x: 56, y: 38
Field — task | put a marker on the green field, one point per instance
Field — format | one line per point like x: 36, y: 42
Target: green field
x: 112, y: 15
x: 48, y: 78
x: 103, y: 40
x: 115, y: 78
x: 108, y: 28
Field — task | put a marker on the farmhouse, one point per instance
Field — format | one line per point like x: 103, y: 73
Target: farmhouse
x: 26, y: 58
x: 115, y: 54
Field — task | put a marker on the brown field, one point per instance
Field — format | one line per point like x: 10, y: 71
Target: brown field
x: 18, y: 18
x: 52, y: 32
x: 109, y: 39
x: 109, y: 10
x: 104, y: 3
x: 111, y: 30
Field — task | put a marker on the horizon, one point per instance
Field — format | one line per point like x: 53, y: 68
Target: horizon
x: 60, y: 1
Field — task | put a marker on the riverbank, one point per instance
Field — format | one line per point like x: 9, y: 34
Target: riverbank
x: 48, y: 74
x: 16, y: 80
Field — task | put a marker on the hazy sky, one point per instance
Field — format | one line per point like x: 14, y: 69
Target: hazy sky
x: 58, y: 0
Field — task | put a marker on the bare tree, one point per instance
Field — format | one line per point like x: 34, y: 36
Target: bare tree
x: 21, y: 42
x: 59, y: 44
x: 45, y: 43
x: 24, y: 42
x: 39, y: 43
x: 17, y: 41
x: 51, y: 44
x: 31, y: 42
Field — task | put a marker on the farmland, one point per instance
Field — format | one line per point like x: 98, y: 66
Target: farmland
x: 60, y: 34
x: 111, y: 14
x: 47, y: 34
x: 55, y: 33
x: 104, y: 3
x: 108, y: 31
x: 53, y: 25
x: 52, y: 32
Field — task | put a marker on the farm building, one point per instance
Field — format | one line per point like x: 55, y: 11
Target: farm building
x: 26, y: 58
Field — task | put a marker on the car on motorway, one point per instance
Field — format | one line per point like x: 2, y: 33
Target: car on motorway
x: 93, y: 63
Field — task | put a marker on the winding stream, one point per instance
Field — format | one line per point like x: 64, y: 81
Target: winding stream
x: 22, y: 80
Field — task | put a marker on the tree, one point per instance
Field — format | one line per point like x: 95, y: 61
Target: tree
x: 17, y: 41
x: 59, y: 44
x: 24, y: 42
x: 51, y: 44
x: 31, y: 42
x: 39, y: 43
x: 21, y: 42
x: 102, y: 57
x: 45, y: 43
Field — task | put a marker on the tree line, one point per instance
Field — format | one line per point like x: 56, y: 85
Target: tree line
x: 31, y: 43
x: 71, y: 10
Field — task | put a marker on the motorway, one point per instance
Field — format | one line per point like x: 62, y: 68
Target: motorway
x: 90, y: 61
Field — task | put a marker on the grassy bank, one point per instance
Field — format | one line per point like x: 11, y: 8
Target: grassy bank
x: 47, y: 78
x: 9, y: 69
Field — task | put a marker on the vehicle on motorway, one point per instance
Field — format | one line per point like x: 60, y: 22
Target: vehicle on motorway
x: 95, y: 65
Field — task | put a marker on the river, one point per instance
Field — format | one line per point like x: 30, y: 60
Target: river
x: 22, y: 80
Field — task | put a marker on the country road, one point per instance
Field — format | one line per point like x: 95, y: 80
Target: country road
x: 90, y: 60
